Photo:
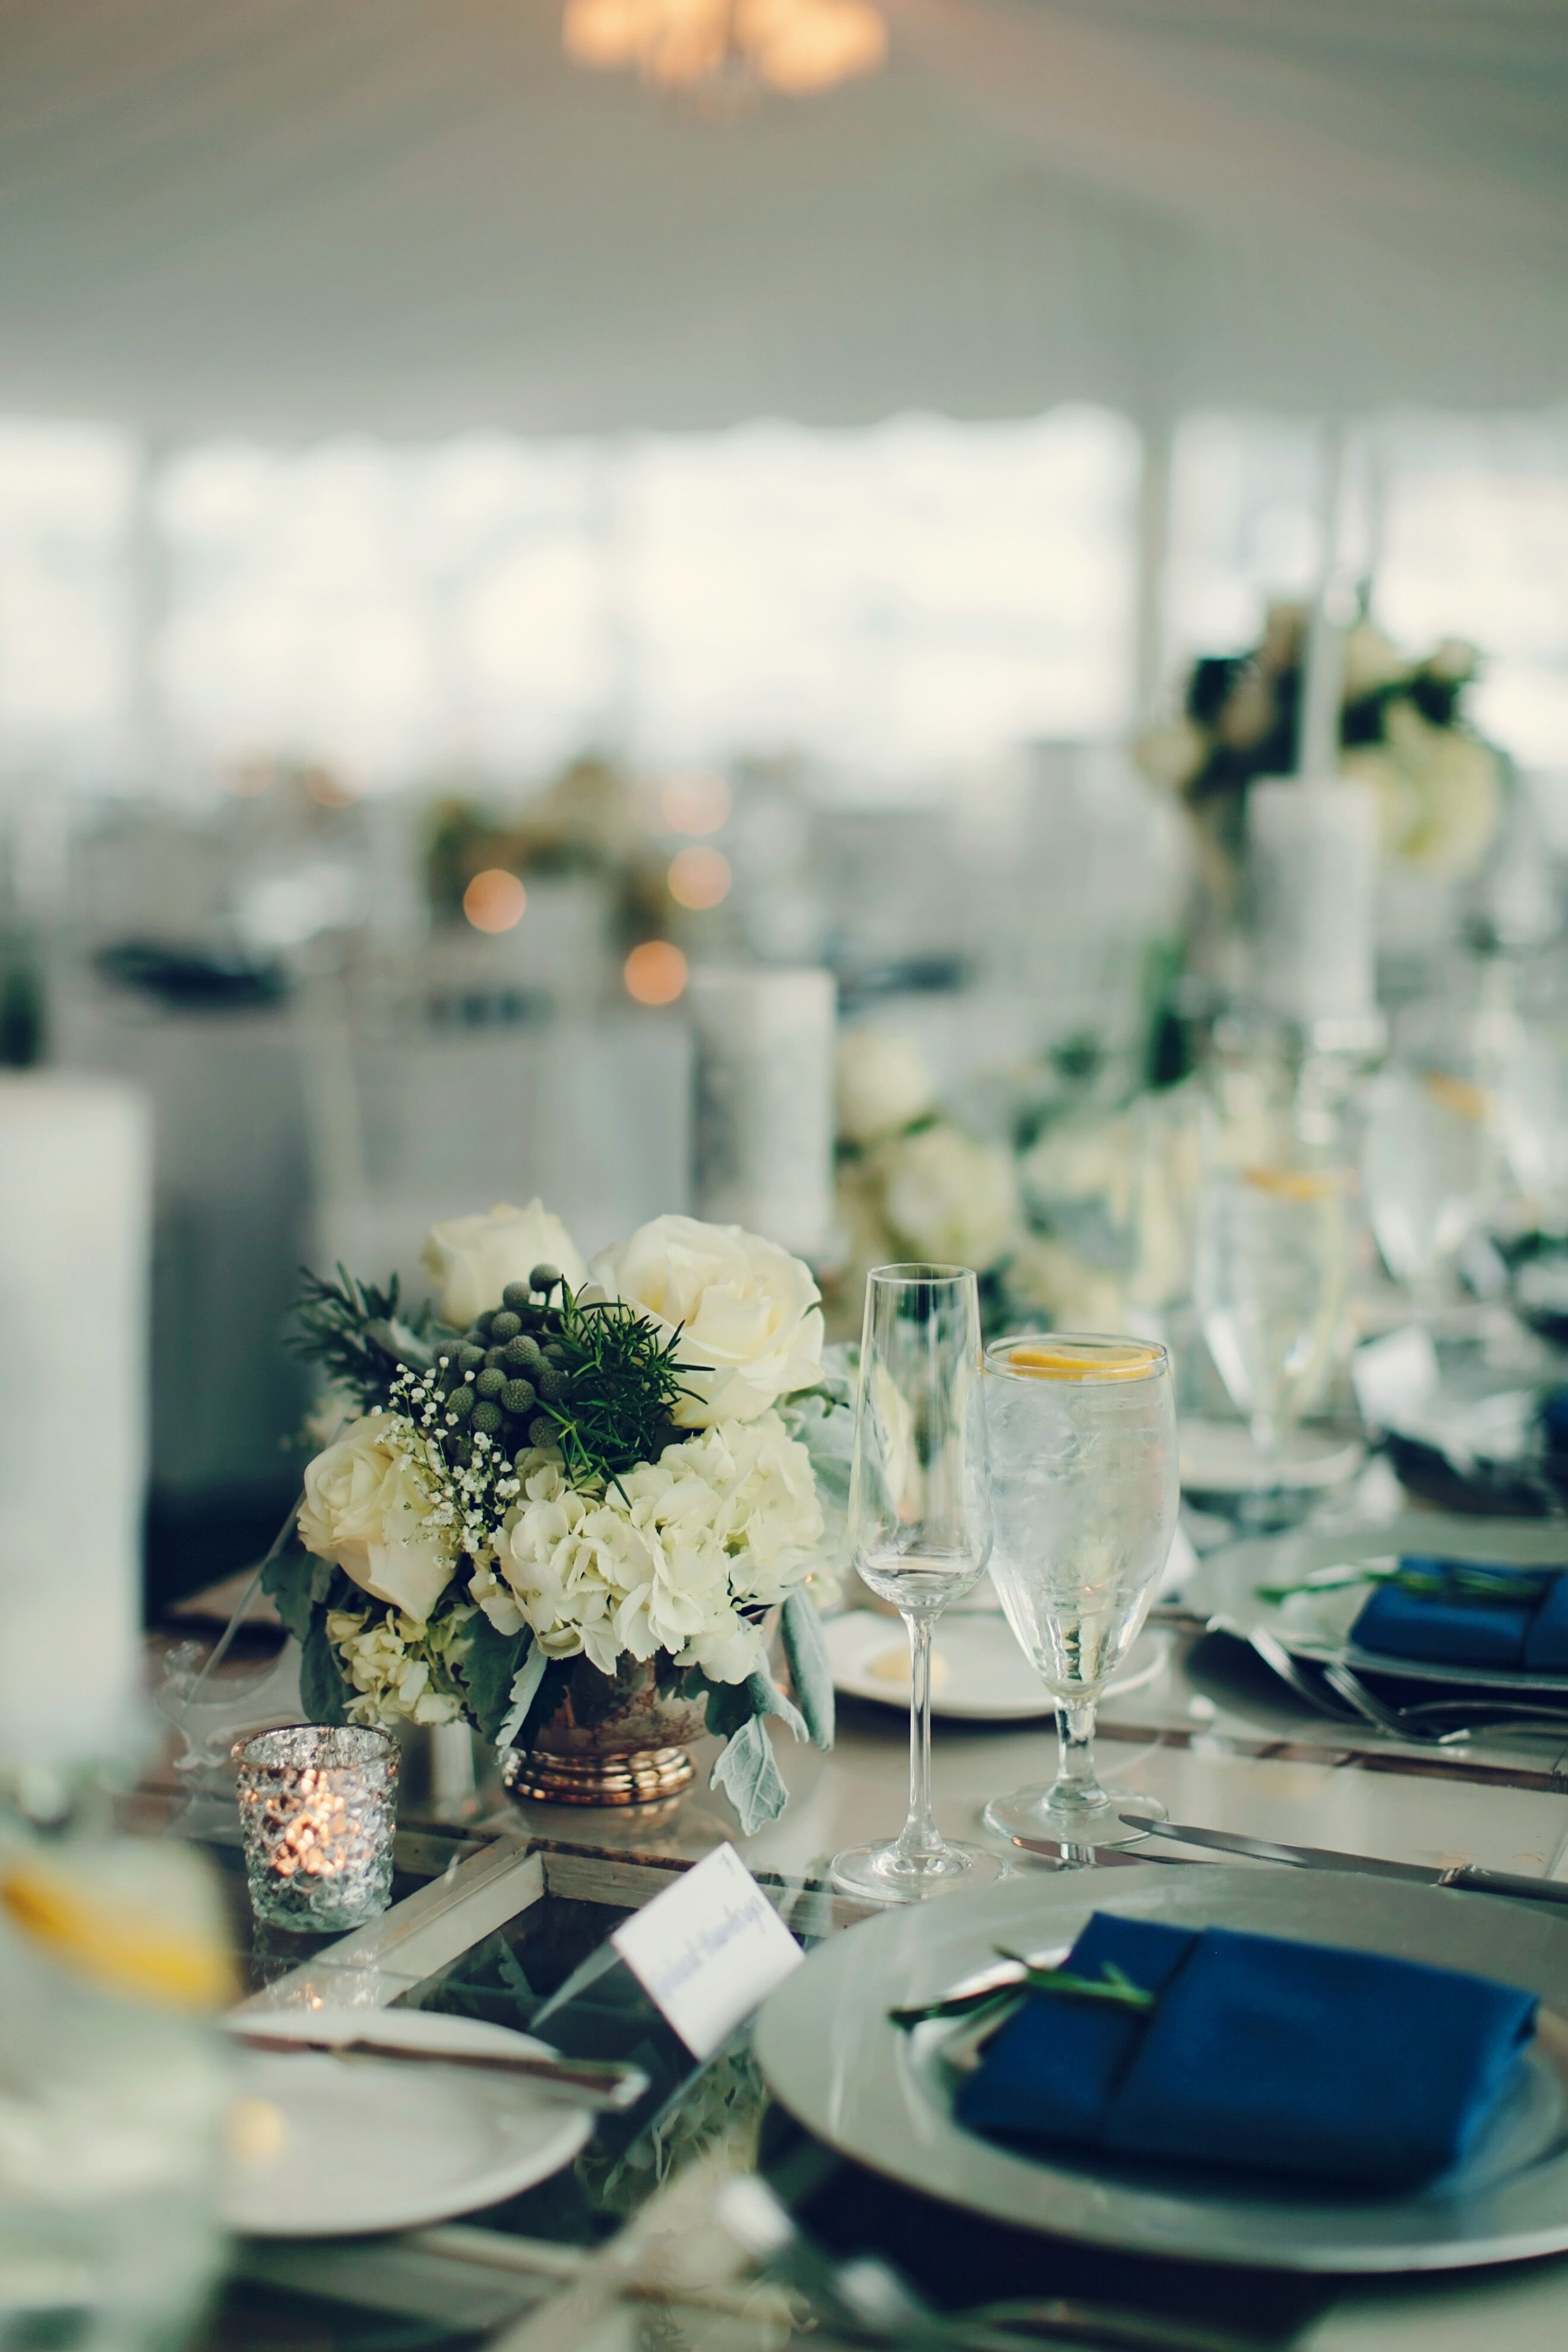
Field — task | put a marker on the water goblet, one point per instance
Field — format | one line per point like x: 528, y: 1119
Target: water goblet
x: 1084, y: 1492
x: 1269, y: 1286
x: 919, y: 1523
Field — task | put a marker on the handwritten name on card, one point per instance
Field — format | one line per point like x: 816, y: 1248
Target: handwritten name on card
x: 708, y: 1951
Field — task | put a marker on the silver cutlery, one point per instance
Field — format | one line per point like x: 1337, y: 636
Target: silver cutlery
x: 1469, y: 1876
x: 1413, y: 1722
x: 1335, y: 1690
x: 603, y: 2085
x: 1278, y: 1661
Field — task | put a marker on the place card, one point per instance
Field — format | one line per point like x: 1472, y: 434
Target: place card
x: 708, y: 1951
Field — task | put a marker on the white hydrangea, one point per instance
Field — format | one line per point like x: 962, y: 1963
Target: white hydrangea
x: 387, y: 1660
x: 671, y: 1558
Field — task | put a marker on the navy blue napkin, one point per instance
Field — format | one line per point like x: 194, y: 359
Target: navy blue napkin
x: 1502, y: 1619
x: 1299, y: 2058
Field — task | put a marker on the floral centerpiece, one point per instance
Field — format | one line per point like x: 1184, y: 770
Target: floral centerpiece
x: 558, y: 1488
x: 1403, y: 730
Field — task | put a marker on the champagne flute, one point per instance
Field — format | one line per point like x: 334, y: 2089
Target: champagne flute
x: 1084, y: 1487
x: 919, y: 1522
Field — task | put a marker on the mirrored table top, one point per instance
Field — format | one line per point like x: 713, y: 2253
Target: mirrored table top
x: 502, y: 1910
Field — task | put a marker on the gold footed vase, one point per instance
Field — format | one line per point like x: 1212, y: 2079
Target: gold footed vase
x: 614, y: 1739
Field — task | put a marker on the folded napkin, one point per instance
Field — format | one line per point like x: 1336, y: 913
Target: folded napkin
x: 1493, y: 1617
x: 1299, y: 2058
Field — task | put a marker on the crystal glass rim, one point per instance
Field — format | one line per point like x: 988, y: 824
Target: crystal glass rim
x: 1090, y: 1339
x: 923, y: 1270
x: 366, y: 1746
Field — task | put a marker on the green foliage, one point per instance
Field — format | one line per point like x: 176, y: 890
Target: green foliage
x: 489, y: 1670
x: 1112, y: 1985
x: 525, y: 1688
x: 321, y: 1691
x: 355, y: 1332
x: 622, y: 1383
x: 747, y: 1772
x: 805, y: 1652
x: 290, y: 1584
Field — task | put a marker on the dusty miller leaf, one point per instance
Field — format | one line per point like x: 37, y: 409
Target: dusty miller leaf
x: 768, y: 1699
x: 750, y: 1777
x: 809, y: 1671
x: 524, y: 1689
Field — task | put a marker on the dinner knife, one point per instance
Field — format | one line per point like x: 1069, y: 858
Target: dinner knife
x: 1469, y: 1875
x: 601, y: 2084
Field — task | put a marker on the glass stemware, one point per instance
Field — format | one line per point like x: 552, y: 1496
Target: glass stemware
x: 1430, y: 1165
x: 1084, y: 1487
x: 920, y: 1522
x: 1269, y: 1286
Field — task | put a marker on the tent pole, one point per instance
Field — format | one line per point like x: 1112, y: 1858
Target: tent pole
x: 1153, y: 555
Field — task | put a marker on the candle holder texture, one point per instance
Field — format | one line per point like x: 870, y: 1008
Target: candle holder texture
x: 316, y: 1811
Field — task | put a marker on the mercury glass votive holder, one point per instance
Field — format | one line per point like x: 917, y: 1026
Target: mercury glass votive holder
x: 318, y: 1807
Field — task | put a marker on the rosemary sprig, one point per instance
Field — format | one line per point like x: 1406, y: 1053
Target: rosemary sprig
x: 624, y: 1384
x: 1458, y: 1580
x: 357, y: 1333
x: 1112, y: 1985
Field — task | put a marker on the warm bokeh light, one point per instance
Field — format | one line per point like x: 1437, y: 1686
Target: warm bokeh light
x: 330, y: 788
x: 799, y: 48
x: 494, y: 900
x: 793, y: 45
x: 251, y: 777
x: 699, y: 877
x: 696, y: 803
x: 655, y: 972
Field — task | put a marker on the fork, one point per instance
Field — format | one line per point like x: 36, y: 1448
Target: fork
x: 1278, y: 1659
x: 1352, y: 1702
x: 1419, y: 1722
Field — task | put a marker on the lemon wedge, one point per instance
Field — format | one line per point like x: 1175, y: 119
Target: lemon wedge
x: 1124, y: 1360
x: 1457, y: 1095
x: 1293, y: 1183
x: 122, y: 1941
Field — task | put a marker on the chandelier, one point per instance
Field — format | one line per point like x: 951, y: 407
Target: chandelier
x: 728, y: 46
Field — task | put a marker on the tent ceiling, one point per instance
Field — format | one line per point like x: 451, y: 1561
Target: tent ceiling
x: 411, y: 215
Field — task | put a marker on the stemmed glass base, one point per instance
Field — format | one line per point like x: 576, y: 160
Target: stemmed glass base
x: 1039, y: 1815
x: 1075, y: 1812
x: 890, y: 1874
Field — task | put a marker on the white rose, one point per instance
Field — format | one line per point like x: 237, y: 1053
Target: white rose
x: 751, y: 1328
x: 883, y: 1085
x: 1172, y: 753
x: 366, y: 1509
x: 1371, y: 661
x: 472, y: 1259
x: 953, y: 1200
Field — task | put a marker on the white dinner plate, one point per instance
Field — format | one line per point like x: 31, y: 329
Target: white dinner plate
x: 1218, y: 1457
x: 979, y: 1673
x: 1225, y: 1589
x: 322, y: 2146
x: 883, y: 2096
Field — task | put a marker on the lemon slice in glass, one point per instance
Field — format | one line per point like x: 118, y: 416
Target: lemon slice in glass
x: 1069, y: 1359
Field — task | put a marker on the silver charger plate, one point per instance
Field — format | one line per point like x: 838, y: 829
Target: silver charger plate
x: 1223, y: 1590
x: 882, y: 2096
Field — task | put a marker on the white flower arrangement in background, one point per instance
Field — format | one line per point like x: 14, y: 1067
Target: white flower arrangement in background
x: 912, y: 1183
x: 1403, y: 730
x: 578, y: 1472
